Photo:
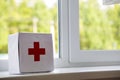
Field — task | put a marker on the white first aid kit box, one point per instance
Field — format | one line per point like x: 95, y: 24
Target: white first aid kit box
x: 30, y: 52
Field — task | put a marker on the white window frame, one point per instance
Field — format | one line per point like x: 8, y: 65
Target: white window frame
x: 63, y: 33
x: 97, y: 57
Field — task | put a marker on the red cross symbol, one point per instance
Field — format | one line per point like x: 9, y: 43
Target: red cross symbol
x: 36, y: 51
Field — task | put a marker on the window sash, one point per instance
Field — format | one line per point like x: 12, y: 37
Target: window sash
x: 83, y: 56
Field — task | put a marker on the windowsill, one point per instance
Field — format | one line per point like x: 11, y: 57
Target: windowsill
x: 68, y: 74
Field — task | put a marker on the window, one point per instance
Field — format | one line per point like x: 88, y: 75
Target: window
x: 37, y: 16
x: 27, y: 16
x: 63, y: 36
x: 87, y: 52
x: 98, y: 28
x: 71, y: 44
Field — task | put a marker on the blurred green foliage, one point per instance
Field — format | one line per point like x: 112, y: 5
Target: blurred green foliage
x: 99, y: 26
x: 18, y: 17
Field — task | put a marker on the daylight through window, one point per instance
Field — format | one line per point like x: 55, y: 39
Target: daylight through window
x: 99, y: 25
x: 38, y: 16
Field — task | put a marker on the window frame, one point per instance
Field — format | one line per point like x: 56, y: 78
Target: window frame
x: 97, y: 57
x: 63, y: 38
x: 62, y: 61
x: 68, y: 17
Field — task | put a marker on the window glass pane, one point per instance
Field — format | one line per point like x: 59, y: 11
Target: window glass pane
x: 28, y: 16
x: 99, y: 25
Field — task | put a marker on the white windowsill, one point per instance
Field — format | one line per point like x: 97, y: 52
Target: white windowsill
x: 68, y: 74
